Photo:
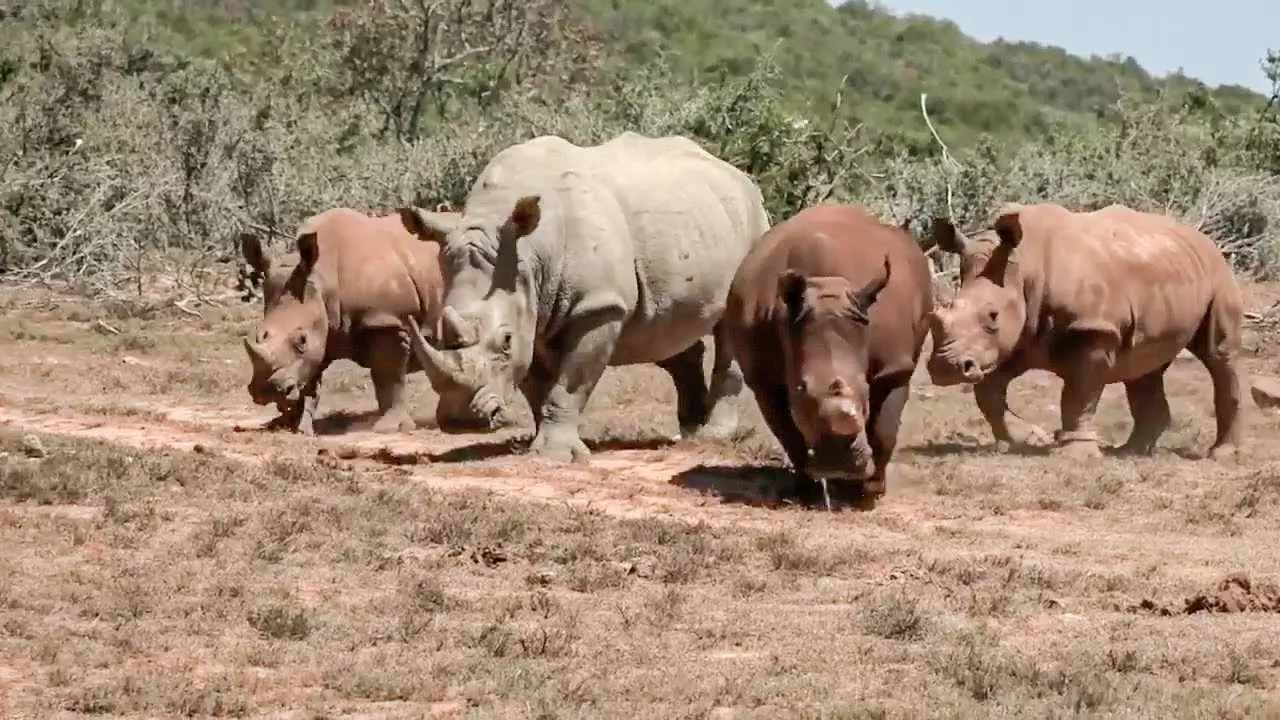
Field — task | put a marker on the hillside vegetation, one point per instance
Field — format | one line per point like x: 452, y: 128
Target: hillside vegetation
x: 136, y: 133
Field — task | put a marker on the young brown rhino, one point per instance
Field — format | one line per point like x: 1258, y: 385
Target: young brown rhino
x: 1095, y: 298
x: 343, y: 295
x: 827, y: 316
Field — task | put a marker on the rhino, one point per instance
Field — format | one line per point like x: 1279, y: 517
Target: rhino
x: 1096, y: 298
x: 827, y: 316
x: 569, y: 259
x: 342, y: 294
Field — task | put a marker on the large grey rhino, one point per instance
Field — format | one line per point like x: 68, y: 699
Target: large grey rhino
x: 570, y: 259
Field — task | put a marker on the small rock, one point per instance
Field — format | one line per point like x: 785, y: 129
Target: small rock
x: 541, y: 577
x: 130, y: 360
x: 1266, y: 392
x: 32, y: 447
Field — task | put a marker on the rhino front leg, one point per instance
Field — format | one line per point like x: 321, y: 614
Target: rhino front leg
x: 724, y: 396
x: 1149, y: 407
x: 888, y: 401
x: 685, y: 369
x: 589, y: 344
x: 1079, y: 436
x: 992, y: 396
x: 388, y: 359
x: 775, y: 408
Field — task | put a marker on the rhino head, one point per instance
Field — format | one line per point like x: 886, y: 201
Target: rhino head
x: 489, y: 318
x: 825, y: 336
x: 982, y: 325
x: 287, y: 348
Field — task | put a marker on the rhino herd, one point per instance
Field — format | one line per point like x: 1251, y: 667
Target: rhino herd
x: 565, y: 260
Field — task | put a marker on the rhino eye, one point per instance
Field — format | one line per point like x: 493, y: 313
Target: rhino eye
x: 505, y: 342
x: 300, y: 341
x: 990, y: 319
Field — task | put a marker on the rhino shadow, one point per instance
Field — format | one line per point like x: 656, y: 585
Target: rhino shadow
x: 948, y: 449
x: 489, y: 449
x: 764, y: 486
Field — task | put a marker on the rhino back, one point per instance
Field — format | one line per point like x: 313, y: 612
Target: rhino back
x: 658, y: 223
x: 376, y: 272
x: 844, y: 241
x: 1150, y: 276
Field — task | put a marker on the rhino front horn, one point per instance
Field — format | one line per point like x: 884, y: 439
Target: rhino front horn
x: 440, y: 371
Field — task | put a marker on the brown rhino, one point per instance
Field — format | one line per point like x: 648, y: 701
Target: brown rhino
x: 342, y: 295
x: 827, y: 316
x: 1096, y: 298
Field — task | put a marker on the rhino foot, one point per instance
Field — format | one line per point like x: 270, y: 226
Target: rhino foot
x: 720, y: 427
x: 394, y: 422
x: 1223, y: 452
x: 1078, y: 449
x: 561, y: 444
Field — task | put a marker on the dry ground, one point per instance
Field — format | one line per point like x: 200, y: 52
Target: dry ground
x: 160, y: 562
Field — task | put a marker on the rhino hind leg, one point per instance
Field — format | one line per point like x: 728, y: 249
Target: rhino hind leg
x: 388, y: 361
x: 1217, y: 346
x: 685, y: 369
x: 723, y: 397
x: 1149, y: 407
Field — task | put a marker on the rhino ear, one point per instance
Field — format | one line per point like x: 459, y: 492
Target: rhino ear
x: 427, y: 227
x: 791, y: 285
x: 251, y: 249
x: 308, y: 250
x: 946, y: 237
x: 525, y: 216
x: 1009, y: 227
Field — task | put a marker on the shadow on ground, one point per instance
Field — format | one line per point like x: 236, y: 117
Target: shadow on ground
x: 766, y: 486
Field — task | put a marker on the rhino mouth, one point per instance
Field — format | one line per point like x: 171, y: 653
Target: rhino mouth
x: 945, y: 370
x: 842, y: 459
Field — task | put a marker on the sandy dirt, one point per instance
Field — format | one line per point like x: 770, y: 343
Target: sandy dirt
x: 1016, y: 556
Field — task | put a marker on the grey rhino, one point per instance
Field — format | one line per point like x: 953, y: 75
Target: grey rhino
x: 569, y: 259
x: 1095, y: 298
x: 341, y: 295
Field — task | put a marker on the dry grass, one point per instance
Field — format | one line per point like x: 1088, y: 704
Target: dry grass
x: 159, y: 563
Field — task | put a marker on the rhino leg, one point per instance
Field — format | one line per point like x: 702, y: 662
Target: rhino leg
x: 1079, y: 403
x: 1217, y: 346
x: 299, y: 416
x: 888, y: 400
x: 590, y: 341
x: 1149, y: 407
x: 771, y: 398
x: 726, y: 387
x: 535, y: 387
x: 992, y: 396
x: 388, y: 360
x: 685, y: 369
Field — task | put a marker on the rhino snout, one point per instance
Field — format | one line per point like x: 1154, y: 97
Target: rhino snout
x: 841, y: 457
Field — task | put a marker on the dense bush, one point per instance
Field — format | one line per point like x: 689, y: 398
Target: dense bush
x: 126, y: 161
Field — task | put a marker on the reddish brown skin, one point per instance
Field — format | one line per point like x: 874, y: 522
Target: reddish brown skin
x: 1100, y: 297
x: 803, y: 367
x: 344, y: 293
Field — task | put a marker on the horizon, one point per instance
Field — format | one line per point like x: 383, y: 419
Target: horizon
x: 1216, y: 49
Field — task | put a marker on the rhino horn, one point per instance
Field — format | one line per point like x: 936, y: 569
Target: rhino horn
x: 463, y: 331
x: 254, y: 349
x: 438, y: 367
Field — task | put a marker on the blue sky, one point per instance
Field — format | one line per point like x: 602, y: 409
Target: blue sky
x: 1215, y: 41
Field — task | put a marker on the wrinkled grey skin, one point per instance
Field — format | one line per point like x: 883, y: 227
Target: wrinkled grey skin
x: 569, y: 260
